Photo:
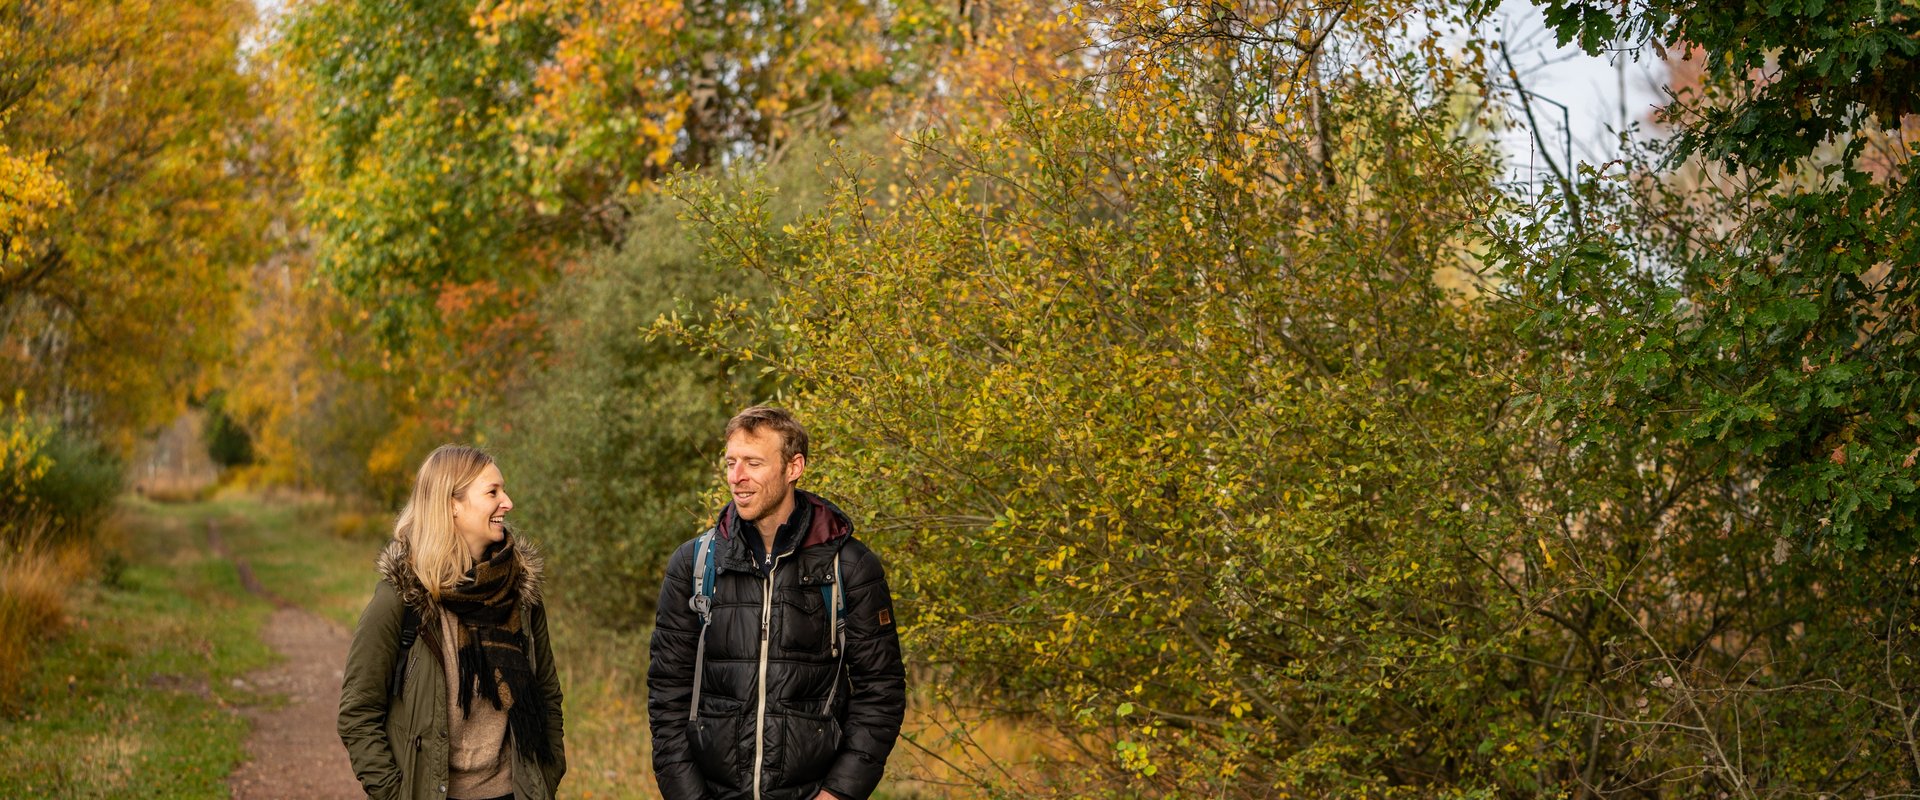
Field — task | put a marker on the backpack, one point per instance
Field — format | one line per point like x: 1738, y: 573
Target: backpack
x: 409, y: 631
x: 702, y: 603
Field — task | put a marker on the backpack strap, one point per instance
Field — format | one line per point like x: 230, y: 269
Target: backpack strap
x: 835, y: 599
x: 409, y: 631
x: 836, y: 602
x: 702, y: 603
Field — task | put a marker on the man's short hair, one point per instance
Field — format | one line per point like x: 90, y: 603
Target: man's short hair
x: 793, y: 438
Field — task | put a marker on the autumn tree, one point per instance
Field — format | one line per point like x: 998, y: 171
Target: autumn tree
x: 444, y: 143
x: 35, y: 192
x: 459, y: 164
x: 123, y: 132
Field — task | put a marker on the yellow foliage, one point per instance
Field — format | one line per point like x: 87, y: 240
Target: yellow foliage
x: 34, y: 194
x: 125, y: 217
x: 1125, y: 379
x: 22, y: 460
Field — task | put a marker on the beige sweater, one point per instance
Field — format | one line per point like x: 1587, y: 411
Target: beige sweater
x: 478, y: 762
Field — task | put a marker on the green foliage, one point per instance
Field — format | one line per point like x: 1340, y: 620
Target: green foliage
x: 227, y: 442
x: 1171, y: 439
x: 62, y: 490
x: 614, y: 443
x: 409, y: 165
x: 80, y: 487
x: 445, y: 143
x: 1794, y: 74
x: 609, y: 449
x: 1759, y: 312
x: 1722, y: 346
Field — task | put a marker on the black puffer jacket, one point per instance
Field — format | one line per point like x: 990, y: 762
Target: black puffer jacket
x: 806, y: 746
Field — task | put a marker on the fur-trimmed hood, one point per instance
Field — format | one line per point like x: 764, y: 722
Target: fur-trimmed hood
x: 396, y: 568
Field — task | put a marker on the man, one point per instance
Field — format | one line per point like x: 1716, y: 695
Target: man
x: 768, y: 693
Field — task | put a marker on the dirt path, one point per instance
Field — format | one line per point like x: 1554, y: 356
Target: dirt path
x: 293, y: 751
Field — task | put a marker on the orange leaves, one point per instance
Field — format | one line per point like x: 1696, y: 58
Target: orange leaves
x: 125, y: 218
x: 608, y: 64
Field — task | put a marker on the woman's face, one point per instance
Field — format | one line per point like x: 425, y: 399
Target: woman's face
x: 480, y: 511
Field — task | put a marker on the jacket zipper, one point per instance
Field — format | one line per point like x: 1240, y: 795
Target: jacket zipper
x: 760, y: 715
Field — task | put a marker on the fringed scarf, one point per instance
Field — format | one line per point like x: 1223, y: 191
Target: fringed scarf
x: 492, y: 648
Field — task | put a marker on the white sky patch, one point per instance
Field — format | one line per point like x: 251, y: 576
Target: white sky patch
x: 1581, y: 103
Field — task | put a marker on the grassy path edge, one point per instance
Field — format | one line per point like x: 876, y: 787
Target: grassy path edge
x: 135, y: 693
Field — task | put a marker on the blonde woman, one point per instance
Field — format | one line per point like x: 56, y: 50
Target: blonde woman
x: 450, y: 689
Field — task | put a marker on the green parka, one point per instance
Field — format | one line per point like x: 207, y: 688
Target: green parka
x: 398, y: 745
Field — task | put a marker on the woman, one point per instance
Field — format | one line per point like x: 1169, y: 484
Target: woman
x: 473, y: 712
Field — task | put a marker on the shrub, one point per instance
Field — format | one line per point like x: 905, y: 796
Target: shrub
x: 31, y: 605
x: 57, y: 486
x: 60, y: 480
x: 361, y: 525
x: 613, y: 450
x: 1173, y: 461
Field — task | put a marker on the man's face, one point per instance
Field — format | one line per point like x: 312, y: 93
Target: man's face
x: 759, y: 478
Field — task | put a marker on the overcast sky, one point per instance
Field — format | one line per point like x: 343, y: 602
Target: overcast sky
x: 1601, y: 96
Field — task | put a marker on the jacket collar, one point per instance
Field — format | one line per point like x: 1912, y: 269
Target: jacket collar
x: 826, y: 524
x: 396, y: 567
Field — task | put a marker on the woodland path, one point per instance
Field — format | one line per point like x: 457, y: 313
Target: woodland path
x: 293, y: 751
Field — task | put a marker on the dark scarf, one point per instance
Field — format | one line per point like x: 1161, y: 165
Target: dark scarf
x: 492, y: 647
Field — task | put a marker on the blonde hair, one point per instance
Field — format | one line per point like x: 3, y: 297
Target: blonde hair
x: 426, y: 524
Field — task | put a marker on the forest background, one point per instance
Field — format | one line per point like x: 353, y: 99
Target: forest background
x: 1231, y: 423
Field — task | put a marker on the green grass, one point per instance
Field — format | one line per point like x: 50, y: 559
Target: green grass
x: 603, y: 674
x: 132, y: 696
x: 295, y: 554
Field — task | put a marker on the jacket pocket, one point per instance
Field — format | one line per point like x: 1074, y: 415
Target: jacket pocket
x: 809, y: 743
x: 722, y: 743
x: 804, y: 627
